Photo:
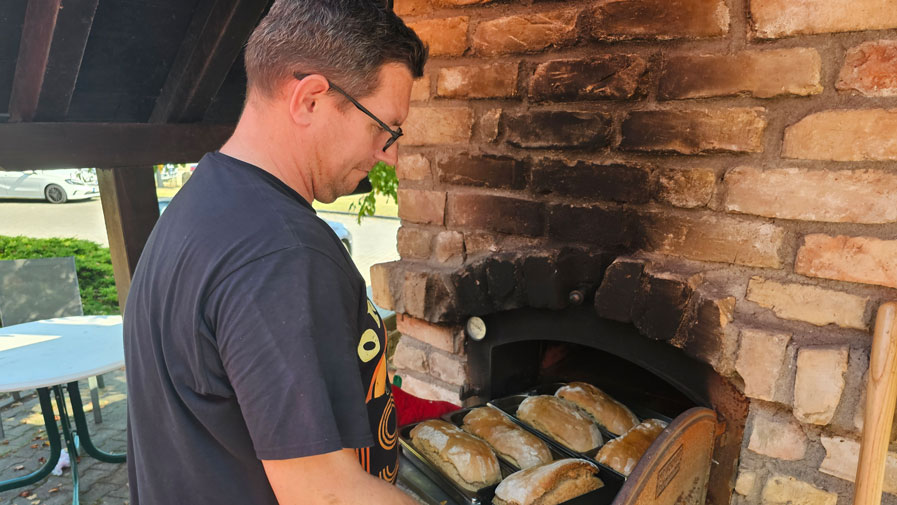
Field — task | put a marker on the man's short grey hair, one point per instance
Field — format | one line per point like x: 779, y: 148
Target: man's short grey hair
x: 346, y: 41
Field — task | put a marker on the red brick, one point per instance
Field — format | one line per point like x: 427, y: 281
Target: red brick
x: 437, y: 125
x: 557, y: 129
x: 448, y: 368
x: 844, y: 135
x: 410, y: 356
x: 381, y: 284
x: 494, y: 80
x: 445, y: 37
x: 842, y: 196
x: 695, y: 131
x: 449, y: 247
x: 485, y: 129
x: 428, y: 388
x: 688, y: 188
x: 603, y: 225
x: 812, y: 304
x: 413, y: 167
x: 870, y: 69
x: 414, y: 242
x: 616, y: 76
x: 762, y: 74
x: 495, y: 213
x: 447, y: 338
x: 419, y: 206
x: 616, y: 183
x: 486, y: 170
x: 657, y: 19
x: 708, y: 237
x: 415, y: 7
x: 867, y: 260
x: 784, y: 18
x: 526, y: 33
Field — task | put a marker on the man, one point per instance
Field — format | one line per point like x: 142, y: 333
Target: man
x: 255, y: 362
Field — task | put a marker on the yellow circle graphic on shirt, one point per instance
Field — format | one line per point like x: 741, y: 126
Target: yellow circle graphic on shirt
x: 368, y: 346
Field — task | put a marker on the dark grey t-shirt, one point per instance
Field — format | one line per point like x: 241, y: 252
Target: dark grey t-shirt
x: 248, y: 336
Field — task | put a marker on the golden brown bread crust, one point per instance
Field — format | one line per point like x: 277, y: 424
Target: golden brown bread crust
x: 520, y: 447
x: 606, y: 411
x: 467, y: 460
x: 548, y: 484
x: 560, y: 420
x: 622, y: 454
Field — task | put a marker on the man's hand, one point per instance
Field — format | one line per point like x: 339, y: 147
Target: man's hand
x: 334, y: 478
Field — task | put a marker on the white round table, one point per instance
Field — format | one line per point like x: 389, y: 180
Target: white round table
x: 53, y: 355
x: 58, y: 351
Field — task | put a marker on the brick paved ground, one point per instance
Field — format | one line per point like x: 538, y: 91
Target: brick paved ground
x: 24, y: 446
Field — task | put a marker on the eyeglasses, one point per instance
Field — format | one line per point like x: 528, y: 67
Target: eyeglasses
x: 393, y: 134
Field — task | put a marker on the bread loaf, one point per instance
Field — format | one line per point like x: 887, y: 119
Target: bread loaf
x: 622, y: 454
x: 467, y: 460
x: 560, y: 420
x: 548, y: 484
x: 510, y: 441
x: 606, y: 411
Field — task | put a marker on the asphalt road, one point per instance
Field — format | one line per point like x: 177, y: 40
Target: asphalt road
x: 374, y: 241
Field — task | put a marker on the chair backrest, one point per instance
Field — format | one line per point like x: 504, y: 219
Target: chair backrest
x: 36, y: 289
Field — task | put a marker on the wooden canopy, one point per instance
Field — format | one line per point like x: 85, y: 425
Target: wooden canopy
x: 121, y: 85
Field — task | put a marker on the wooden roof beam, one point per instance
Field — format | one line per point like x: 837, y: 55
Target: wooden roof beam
x: 217, y: 33
x: 26, y: 146
x: 54, y: 37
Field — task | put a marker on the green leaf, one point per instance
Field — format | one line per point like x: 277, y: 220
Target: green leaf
x: 384, y: 182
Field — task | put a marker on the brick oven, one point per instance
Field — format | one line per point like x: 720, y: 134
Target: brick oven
x: 698, y: 192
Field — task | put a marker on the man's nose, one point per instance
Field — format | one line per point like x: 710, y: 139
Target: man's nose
x: 390, y: 156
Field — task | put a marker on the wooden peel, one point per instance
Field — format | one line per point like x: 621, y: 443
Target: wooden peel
x: 881, y: 395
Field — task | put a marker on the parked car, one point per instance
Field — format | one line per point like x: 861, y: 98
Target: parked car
x: 344, y: 236
x: 54, y: 186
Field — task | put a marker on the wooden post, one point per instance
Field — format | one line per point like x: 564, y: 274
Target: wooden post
x: 131, y: 209
x: 881, y: 393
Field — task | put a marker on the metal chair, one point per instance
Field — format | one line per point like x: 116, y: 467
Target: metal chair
x: 43, y: 288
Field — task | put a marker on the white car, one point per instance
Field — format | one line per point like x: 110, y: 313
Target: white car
x: 54, y: 186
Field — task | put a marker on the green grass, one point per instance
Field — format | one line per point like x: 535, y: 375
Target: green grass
x: 93, y: 262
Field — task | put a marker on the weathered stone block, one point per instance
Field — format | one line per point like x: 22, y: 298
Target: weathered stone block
x: 696, y: 131
x: 870, y: 69
x: 785, y: 18
x: 843, y: 454
x: 687, y: 188
x: 657, y: 19
x: 868, y: 260
x: 526, y: 33
x: 811, y: 304
x: 707, y: 336
x: 496, y: 213
x: 844, y: 135
x: 761, y: 74
x: 485, y: 170
x: 448, y: 368
x: 493, y: 80
x: 381, y: 284
x: 485, y: 128
x: 713, y: 238
x: 557, y: 129
x: 437, y: 125
x: 421, y: 206
x: 428, y: 388
x: 659, y: 309
x: 445, y: 37
x: 609, y: 76
x: 414, y: 242
x: 616, y: 183
x: 449, y: 247
x: 446, y: 338
x: 410, y: 356
x: 413, y: 167
x: 760, y: 361
x: 819, y: 383
x: 619, y: 289
x: 607, y: 225
x: 843, y: 196
x: 777, y: 436
x: 746, y: 482
x: 786, y: 490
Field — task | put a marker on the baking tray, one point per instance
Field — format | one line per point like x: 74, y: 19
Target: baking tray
x: 602, y: 496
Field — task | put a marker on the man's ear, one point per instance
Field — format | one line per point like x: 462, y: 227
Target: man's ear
x: 305, y: 95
